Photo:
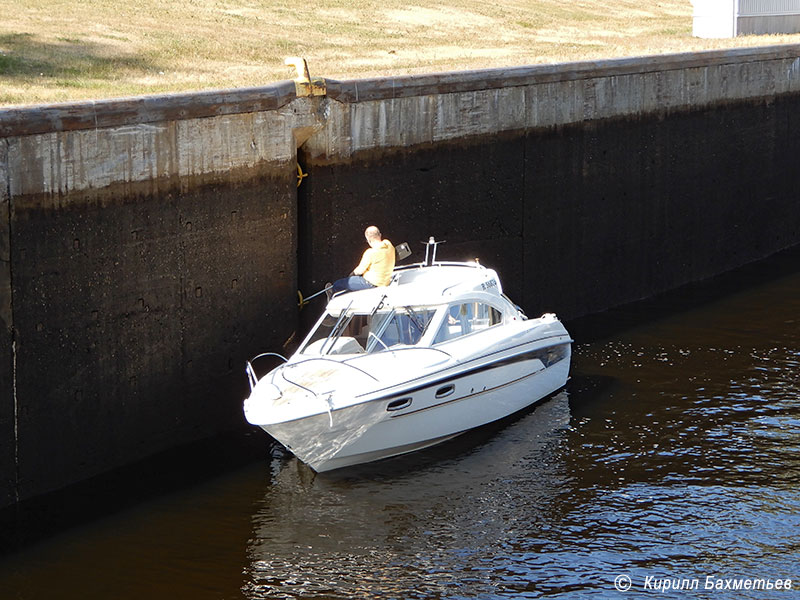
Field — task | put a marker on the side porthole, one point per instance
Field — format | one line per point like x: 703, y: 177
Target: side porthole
x: 444, y: 392
x: 399, y: 404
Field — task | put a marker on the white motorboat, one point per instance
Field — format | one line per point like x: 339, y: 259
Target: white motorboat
x: 394, y: 369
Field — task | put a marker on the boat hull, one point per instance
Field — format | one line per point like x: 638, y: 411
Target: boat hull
x: 423, y: 414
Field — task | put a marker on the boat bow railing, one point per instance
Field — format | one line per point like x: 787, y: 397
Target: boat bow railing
x: 251, y: 374
x: 322, y: 358
x: 327, y: 396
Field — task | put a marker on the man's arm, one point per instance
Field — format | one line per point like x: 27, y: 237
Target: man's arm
x: 366, y: 261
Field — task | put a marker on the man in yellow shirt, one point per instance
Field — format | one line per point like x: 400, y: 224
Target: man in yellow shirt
x: 375, y: 268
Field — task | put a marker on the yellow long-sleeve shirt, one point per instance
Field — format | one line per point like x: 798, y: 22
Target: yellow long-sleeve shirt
x: 377, y: 264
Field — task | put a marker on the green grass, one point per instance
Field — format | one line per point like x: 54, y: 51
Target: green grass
x: 60, y: 50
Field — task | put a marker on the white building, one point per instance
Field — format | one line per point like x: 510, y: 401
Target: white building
x: 729, y: 18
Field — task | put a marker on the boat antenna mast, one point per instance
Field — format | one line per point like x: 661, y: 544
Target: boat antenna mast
x: 430, y: 251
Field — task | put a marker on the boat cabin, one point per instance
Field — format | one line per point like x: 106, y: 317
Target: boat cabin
x: 424, y: 306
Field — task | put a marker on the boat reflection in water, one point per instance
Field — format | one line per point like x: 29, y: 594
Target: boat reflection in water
x: 395, y: 369
x: 308, y: 542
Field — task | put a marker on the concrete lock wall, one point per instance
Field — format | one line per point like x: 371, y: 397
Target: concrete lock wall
x: 588, y: 185
x: 151, y: 245
x: 145, y: 259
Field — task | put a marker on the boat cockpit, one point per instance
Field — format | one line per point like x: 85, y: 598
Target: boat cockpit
x: 365, y: 332
x: 426, y: 305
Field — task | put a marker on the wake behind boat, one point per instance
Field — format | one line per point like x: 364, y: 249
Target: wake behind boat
x: 389, y: 370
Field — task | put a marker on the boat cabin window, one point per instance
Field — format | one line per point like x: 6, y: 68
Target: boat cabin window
x: 406, y: 326
x: 357, y: 333
x: 463, y: 319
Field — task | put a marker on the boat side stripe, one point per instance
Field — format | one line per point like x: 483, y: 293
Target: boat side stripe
x: 522, y: 356
x: 471, y: 395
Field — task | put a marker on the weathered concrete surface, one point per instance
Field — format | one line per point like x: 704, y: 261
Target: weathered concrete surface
x: 151, y: 245
x: 625, y: 209
x: 121, y: 350
x: 8, y: 451
x: 149, y: 261
x: 588, y: 185
x: 582, y: 217
x: 408, y: 111
x: 61, y: 163
x: 470, y: 195
x: 101, y: 114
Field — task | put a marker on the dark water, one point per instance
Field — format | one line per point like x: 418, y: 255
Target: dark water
x: 674, y: 453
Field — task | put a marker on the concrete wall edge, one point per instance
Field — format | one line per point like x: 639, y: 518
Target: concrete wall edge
x: 381, y: 88
x: 94, y: 114
x: 30, y: 120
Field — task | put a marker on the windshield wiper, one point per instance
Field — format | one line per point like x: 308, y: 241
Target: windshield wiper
x: 377, y: 331
x: 415, y: 319
x: 378, y: 306
x: 337, y: 330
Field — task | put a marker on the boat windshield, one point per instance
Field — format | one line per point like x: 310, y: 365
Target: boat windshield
x: 353, y: 332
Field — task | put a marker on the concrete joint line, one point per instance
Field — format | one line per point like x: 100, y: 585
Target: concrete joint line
x: 5, y: 167
x: 7, y: 193
x: 310, y: 115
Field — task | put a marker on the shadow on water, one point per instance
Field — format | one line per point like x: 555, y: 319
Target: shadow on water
x: 114, y: 492
x: 182, y: 468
